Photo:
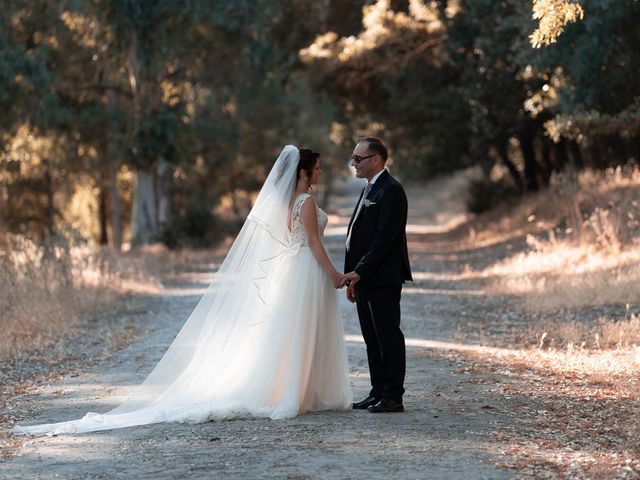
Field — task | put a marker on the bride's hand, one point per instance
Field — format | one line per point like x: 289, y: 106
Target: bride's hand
x: 339, y: 280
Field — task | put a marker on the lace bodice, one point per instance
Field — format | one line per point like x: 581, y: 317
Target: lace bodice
x: 297, y: 233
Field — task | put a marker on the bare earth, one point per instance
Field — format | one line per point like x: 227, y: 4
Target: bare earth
x: 455, y: 418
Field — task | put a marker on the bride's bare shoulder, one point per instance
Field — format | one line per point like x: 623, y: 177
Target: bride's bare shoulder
x: 307, y: 204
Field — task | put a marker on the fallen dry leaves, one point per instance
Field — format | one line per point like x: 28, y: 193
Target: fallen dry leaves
x: 578, y: 413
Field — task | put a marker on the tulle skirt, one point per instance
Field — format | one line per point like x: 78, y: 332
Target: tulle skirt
x: 286, y: 358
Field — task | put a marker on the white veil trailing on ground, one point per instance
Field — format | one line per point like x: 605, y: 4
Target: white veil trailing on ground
x: 209, y: 371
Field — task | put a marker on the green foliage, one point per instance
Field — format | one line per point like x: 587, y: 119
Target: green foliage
x: 158, y: 136
x: 93, y: 91
x: 24, y: 211
x: 452, y: 84
x: 215, y: 90
x: 599, y: 58
x: 625, y: 124
x: 553, y: 15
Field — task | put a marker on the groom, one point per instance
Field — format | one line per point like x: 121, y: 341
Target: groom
x: 378, y: 264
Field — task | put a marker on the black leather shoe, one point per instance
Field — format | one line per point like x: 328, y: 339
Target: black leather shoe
x: 386, y: 406
x: 366, y: 403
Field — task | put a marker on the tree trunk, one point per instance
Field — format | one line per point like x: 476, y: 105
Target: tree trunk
x: 144, y: 222
x: 616, y: 150
x: 116, y: 210
x: 529, y: 154
x: 103, y: 215
x: 632, y: 146
x: 50, y: 209
x: 545, y: 151
x: 598, y: 153
x: 112, y: 162
x: 165, y: 175
x: 328, y: 181
x: 144, y: 218
x: 635, y: 142
x: 576, y: 153
x: 504, y: 156
x: 560, y: 153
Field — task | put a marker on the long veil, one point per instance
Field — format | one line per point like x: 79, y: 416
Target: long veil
x: 214, y: 350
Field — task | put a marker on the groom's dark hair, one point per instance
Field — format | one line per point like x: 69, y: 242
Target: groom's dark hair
x: 377, y: 146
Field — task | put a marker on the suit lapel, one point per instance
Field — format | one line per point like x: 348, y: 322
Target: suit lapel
x: 353, y: 215
x: 379, y: 183
x: 374, y: 188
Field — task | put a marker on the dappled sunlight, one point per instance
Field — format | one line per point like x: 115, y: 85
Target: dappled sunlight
x: 439, y: 345
x: 598, y: 364
x: 339, y: 228
x: 469, y: 242
x: 434, y: 276
x: 204, y: 277
x: 443, y: 276
x: 570, y: 360
x: 69, y: 280
x: 443, y: 224
x: 339, y: 220
x: 580, y: 252
x: 565, y: 274
x: 481, y: 351
x: 566, y: 258
x: 57, y: 450
x: 551, y: 292
x: 81, y: 389
x: 141, y: 288
x: 381, y: 24
x: 336, y: 231
x: 441, y: 291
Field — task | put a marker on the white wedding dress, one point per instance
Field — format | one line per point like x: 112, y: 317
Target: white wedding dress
x: 266, y: 340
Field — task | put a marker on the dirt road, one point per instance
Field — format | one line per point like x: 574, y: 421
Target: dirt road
x: 447, y: 432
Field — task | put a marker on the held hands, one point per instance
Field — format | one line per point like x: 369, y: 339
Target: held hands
x: 349, y: 280
x: 338, y: 280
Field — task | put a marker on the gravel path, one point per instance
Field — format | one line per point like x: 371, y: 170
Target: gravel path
x: 447, y: 431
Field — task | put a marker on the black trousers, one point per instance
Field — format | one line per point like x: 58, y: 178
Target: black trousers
x: 379, y: 314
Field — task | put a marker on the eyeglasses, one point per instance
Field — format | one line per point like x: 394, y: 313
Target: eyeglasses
x: 358, y: 158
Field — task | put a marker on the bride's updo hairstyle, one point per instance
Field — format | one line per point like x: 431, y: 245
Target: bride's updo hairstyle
x: 308, y: 159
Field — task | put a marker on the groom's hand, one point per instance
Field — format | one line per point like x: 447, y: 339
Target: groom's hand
x: 351, y: 279
x: 351, y: 293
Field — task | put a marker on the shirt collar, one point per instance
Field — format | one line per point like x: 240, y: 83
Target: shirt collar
x: 373, y: 180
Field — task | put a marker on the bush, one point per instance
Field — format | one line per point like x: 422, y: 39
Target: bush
x: 196, y: 225
x: 484, y: 194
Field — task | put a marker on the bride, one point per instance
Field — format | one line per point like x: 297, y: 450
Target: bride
x: 266, y: 339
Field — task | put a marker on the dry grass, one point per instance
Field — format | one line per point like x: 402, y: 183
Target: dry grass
x: 578, y: 276
x: 47, y: 288
x: 566, y: 274
x: 562, y: 209
x: 586, y: 251
x: 604, y: 333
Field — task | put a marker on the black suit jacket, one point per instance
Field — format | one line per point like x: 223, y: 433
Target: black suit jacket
x: 378, y: 247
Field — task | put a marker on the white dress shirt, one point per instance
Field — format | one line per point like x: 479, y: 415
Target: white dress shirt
x: 369, y: 186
